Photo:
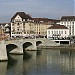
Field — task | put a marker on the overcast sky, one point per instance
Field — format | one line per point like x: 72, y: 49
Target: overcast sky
x: 36, y: 8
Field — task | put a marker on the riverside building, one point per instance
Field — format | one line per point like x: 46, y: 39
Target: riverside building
x: 23, y: 25
x: 41, y: 25
x: 57, y: 32
x: 69, y: 22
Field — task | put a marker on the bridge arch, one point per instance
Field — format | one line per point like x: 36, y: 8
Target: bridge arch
x: 10, y: 47
x: 26, y: 44
x: 38, y: 42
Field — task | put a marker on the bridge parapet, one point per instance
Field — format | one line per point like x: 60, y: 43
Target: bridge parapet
x: 20, y: 43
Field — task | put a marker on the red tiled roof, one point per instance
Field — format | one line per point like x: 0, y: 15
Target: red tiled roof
x: 57, y: 26
x: 44, y: 19
x: 40, y: 19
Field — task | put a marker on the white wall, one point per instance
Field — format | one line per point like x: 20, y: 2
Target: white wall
x: 57, y: 32
x: 18, y: 18
x: 69, y: 24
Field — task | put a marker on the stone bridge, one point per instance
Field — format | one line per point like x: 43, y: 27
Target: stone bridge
x: 18, y: 46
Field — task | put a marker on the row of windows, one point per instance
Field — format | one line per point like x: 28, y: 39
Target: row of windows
x: 18, y: 20
x: 67, y: 22
x: 17, y: 33
x: 57, y: 32
x: 68, y: 25
x: 23, y: 20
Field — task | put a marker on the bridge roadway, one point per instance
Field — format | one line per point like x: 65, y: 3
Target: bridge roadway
x: 23, y: 44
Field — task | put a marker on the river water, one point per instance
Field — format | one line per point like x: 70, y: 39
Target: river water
x: 43, y: 62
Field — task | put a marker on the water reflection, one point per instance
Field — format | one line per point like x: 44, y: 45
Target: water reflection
x: 44, y: 62
x: 11, y: 62
x: 38, y: 53
x: 26, y: 56
x: 29, y: 66
x: 67, y: 62
x: 15, y: 65
x: 3, y: 68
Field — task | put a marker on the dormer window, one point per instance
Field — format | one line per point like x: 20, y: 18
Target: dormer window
x: 23, y: 19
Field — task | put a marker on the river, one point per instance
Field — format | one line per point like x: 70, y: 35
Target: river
x: 43, y: 62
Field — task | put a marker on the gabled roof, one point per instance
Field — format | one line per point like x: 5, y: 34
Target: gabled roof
x: 57, y: 26
x: 3, y: 24
x: 22, y: 15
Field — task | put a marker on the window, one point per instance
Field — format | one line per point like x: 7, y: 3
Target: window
x: 19, y: 32
x: 48, y: 32
x: 65, y: 32
x: 18, y: 29
x: 61, y: 32
x: 57, y: 32
x: 18, y: 24
x: 52, y: 32
x: 12, y: 24
x: 73, y: 29
x: 72, y: 22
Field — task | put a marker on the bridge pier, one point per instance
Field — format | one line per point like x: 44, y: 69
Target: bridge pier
x: 3, y: 52
x: 18, y: 50
x: 32, y: 47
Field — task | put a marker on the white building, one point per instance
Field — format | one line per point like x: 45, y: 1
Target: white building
x: 57, y: 31
x: 5, y: 28
x: 69, y: 22
x: 20, y: 24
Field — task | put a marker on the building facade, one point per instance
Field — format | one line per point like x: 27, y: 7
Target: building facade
x: 41, y: 25
x: 21, y: 24
x: 57, y: 32
x: 69, y: 22
x: 5, y: 28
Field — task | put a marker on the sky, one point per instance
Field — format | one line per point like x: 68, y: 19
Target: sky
x: 52, y: 9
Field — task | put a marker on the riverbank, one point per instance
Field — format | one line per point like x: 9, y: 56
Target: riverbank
x: 61, y: 47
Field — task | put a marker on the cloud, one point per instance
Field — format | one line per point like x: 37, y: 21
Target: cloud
x: 37, y: 8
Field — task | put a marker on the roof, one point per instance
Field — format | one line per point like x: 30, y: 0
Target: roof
x: 57, y: 26
x: 67, y: 17
x: 40, y: 19
x: 22, y: 15
x: 3, y: 24
x: 44, y: 19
